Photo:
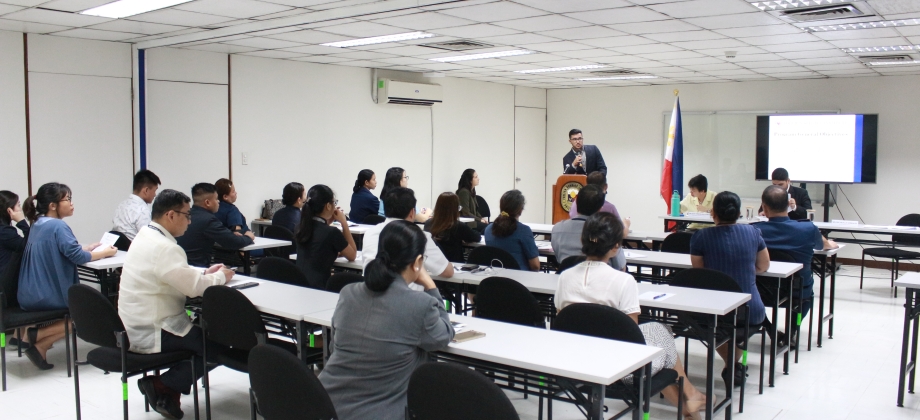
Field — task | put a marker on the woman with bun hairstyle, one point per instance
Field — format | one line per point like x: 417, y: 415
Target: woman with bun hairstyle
x: 363, y: 202
x: 49, y: 264
x: 384, y: 330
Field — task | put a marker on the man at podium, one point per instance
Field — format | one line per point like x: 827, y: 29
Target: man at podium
x: 582, y: 159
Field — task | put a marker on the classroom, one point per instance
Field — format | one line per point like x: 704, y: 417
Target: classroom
x: 731, y: 175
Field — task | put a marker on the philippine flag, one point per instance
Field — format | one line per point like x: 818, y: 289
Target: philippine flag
x: 672, y: 176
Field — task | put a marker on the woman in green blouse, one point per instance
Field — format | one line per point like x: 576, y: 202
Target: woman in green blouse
x: 466, y: 191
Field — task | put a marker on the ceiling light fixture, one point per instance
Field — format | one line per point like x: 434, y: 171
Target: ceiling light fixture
x: 124, y: 8
x: 864, y: 25
x: 785, y: 4
x: 892, y: 63
x: 496, y: 54
x: 598, y: 79
x: 882, y: 49
x: 555, y: 69
x: 378, y: 39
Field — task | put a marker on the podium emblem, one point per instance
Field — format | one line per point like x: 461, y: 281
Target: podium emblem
x: 567, y: 195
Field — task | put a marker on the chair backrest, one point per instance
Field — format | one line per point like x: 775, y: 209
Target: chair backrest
x: 677, y: 242
x: 483, y: 206
x: 123, y: 243
x: 569, y: 262
x: 281, y: 270
x: 912, y: 219
x: 339, y: 280
x: 280, y: 233
x: 704, y: 278
x: 483, y: 255
x: 505, y: 300
x: 780, y: 256
x: 285, y: 388
x: 9, y: 280
x: 448, y: 391
x: 373, y: 219
x: 598, y: 321
x: 94, y: 316
x: 230, y: 318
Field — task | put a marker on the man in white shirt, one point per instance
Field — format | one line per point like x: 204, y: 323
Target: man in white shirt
x: 155, y: 281
x: 400, y: 205
x: 133, y: 214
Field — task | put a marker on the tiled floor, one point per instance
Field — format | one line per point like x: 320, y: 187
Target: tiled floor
x: 854, y: 376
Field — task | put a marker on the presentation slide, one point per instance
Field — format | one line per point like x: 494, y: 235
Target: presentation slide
x: 816, y: 147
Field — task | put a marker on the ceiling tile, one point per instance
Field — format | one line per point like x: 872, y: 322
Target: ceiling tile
x: 858, y: 34
x: 864, y: 72
x: 97, y: 35
x: 360, y: 63
x: 764, y: 30
x: 325, y: 23
x: 715, y: 66
x: 621, y: 15
x: 518, y: 39
x: 735, y: 72
x: 780, y: 39
x: 286, y: 13
x: 557, y: 46
x: 275, y: 31
x: 799, y: 46
x: 739, y: 51
x: 693, y: 61
x: 594, y: 52
x: 25, y: 3
x: 29, y: 27
x: 672, y: 55
x: 650, y: 48
x: 618, y: 59
x: 875, y: 42
x: 363, y: 55
x: 363, y: 29
x: 652, y: 65
x: 263, y: 43
x: 744, y: 58
x: 698, y: 8
x: 301, y: 3
x: 659, y: 26
x: 179, y: 17
x: 313, y: 50
x: 914, y: 39
x: 768, y: 64
x: 617, y: 41
x: 8, y: 8
x: 734, y: 21
x: 424, y: 21
x: 542, y: 23
x: 494, y: 12
x: 475, y: 31
x: 221, y: 48
x: 684, y: 36
x: 55, y: 18
x: 321, y: 59
x: 440, y: 66
x: 832, y: 67
x: 409, y: 50
x: 402, y: 61
x: 714, y: 43
x: 309, y: 36
x: 240, y: 9
x: 794, y: 55
x: 586, y: 32
x: 568, y: 6
x: 535, y: 58
x: 909, y: 30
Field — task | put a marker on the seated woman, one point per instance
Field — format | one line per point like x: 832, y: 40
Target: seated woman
x: 507, y: 233
x: 466, y: 190
x: 397, y: 177
x: 228, y: 213
x: 447, y: 231
x: 384, y: 330
x: 318, y: 243
x: 738, y: 251
x: 363, y: 202
x: 594, y: 281
x: 49, y: 264
x: 699, y: 200
x: 10, y: 241
x: 293, y: 197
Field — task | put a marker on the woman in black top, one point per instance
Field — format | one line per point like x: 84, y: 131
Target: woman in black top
x: 363, y: 202
x: 10, y: 241
x: 447, y: 231
x: 293, y: 197
x: 318, y: 243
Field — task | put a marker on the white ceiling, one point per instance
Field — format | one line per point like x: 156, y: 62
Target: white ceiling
x: 678, y: 41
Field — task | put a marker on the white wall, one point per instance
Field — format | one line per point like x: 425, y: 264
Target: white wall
x: 13, y: 169
x: 626, y: 124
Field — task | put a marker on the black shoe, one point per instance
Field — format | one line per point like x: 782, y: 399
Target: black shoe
x: 740, y: 375
x: 782, y: 340
x: 36, y: 358
x: 168, y: 407
x: 13, y: 341
x: 147, y: 387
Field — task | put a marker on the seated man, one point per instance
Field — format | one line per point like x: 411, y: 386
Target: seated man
x: 566, y: 237
x: 699, y: 200
x: 205, y: 230
x: 155, y: 281
x: 798, y: 239
x: 598, y: 178
x: 798, y: 199
x: 400, y: 205
x: 133, y: 214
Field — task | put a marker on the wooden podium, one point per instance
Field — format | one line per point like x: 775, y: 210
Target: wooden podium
x: 564, y: 191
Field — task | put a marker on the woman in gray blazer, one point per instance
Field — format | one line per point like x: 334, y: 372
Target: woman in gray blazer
x: 384, y: 330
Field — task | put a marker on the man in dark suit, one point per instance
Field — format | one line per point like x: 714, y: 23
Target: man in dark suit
x: 582, y: 159
x: 205, y: 230
x: 799, y: 201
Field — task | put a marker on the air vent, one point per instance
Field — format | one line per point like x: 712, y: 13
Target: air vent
x: 615, y: 72
x: 458, y: 45
x: 837, y: 11
x: 892, y: 58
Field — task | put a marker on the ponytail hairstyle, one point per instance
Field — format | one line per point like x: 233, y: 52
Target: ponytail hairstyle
x: 48, y: 194
x: 466, y: 181
x: 727, y: 207
x: 511, y: 205
x: 363, y: 176
x: 393, y: 177
x: 317, y: 198
x: 601, y: 233
x: 8, y: 200
x: 400, y: 244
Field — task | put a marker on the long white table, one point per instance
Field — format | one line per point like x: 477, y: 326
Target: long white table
x: 257, y: 243
x: 100, y: 271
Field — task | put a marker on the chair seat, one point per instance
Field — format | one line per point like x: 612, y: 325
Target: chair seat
x: 892, y: 253
x: 17, y: 317
x: 109, y: 359
x: 238, y: 360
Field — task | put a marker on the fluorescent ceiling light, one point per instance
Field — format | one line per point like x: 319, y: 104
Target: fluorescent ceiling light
x: 497, y: 54
x: 379, y: 39
x: 554, y: 69
x: 894, y: 48
x: 784, y: 4
x: 640, y: 76
x: 124, y: 8
x: 864, y: 25
x: 892, y: 63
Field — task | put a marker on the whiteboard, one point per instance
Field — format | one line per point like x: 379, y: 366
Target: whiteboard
x: 721, y: 145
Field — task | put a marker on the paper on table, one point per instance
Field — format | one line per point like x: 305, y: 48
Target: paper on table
x: 458, y: 327
x: 241, y: 280
x: 634, y: 255
x: 108, y: 239
x: 656, y: 296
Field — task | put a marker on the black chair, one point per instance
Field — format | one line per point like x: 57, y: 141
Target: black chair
x: 231, y: 322
x: 768, y: 289
x: 483, y: 208
x: 448, y: 391
x: 12, y: 317
x: 339, y: 280
x: 373, y: 219
x: 123, y: 243
x: 677, y: 242
x: 285, y: 387
x: 485, y: 255
x: 96, y: 321
x: 282, y: 270
x: 505, y: 300
x: 695, y: 326
x: 611, y: 323
x: 570, y: 262
x: 283, y: 234
x: 895, y: 254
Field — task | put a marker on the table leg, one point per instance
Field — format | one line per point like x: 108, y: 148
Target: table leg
x: 913, y: 357
x: 788, y: 329
x: 773, y: 344
x: 732, y: 348
x: 597, y: 402
x: 710, y: 370
x: 300, y: 330
x: 327, y: 342
x: 823, y: 276
x: 246, y: 268
x: 830, y: 314
x: 646, y: 395
x: 905, y: 339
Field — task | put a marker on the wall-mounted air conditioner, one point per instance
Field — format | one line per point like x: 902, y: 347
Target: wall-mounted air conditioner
x: 405, y: 93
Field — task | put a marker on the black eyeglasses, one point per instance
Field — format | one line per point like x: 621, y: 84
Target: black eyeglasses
x: 68, y: 198
x: 187, y: 215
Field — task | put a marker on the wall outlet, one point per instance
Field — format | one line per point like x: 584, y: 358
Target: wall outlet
x: 245, y: 158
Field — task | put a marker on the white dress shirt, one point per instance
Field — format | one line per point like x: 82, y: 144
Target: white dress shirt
x: 131, y: 216
x: 597, y: 282
x: 155, y: 281
x: 435, y: 261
